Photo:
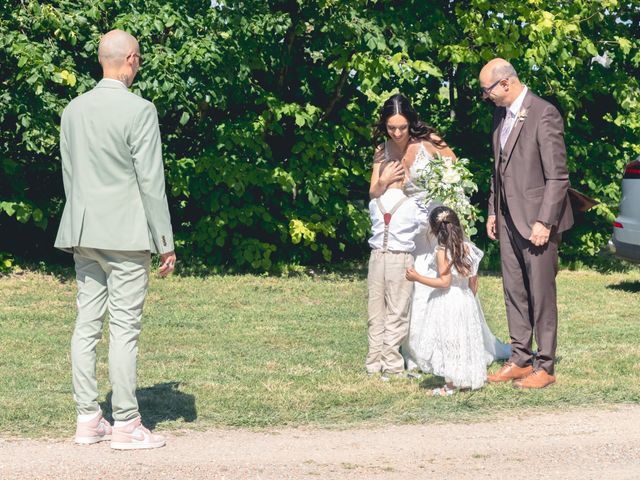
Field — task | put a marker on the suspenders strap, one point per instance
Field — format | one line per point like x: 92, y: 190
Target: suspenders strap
x: 387, y: 219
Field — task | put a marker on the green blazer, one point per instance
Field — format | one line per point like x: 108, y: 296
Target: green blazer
x: 113, y: 173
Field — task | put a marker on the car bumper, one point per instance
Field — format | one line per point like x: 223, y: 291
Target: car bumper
x: 625, y: 251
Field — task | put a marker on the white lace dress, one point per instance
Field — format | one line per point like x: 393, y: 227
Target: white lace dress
x: 452, y: 344
x: 425, y: 264
x: 424, y: 259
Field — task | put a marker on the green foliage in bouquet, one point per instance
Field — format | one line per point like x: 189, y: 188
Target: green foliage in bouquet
x: 450, y: 182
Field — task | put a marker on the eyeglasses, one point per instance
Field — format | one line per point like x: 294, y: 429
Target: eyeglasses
x: 135, y: 55
x: 487, y: 91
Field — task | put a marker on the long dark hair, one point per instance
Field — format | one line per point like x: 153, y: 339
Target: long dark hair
x: 445, y: 225
x: 399, y: 105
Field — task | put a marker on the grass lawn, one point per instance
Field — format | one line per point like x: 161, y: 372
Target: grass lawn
x: 251, y: 351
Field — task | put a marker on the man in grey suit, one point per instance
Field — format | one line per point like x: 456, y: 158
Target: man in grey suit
x: 528, y: 210
x: 116, y: 214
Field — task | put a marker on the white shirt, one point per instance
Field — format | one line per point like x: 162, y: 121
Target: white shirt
x: 511, y: 114
x: 407, y: 222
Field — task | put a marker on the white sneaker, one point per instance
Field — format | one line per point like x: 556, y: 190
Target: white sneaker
x: 388, y: 376
x: 92, y: 431
x: 134, y: 436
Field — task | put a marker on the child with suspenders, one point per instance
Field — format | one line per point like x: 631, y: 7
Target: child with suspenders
x: 395, y: 222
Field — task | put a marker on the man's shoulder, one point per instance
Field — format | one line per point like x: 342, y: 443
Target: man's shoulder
x: 542, y: 104
x: 137, y: 99
x: 122, y: 100
x: 139, y: 106
x: 133, y: 100
x: 78, y: 101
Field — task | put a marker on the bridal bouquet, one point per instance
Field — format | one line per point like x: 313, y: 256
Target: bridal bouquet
x: 451, y: 183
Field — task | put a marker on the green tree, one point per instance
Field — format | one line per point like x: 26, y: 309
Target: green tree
x: 266, y: 106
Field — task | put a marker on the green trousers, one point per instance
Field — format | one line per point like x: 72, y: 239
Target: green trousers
x: 114, y: 281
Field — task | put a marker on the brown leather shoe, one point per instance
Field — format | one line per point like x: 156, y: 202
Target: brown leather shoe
x: 510, y: 371
x: 538, y: 379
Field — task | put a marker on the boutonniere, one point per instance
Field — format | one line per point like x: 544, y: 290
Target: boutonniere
x: 522, y: 115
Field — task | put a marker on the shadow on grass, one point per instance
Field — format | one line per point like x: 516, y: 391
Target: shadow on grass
x: 431, y: 382
x: 61, y: 273
x: 160, y: 403
x: 341, y: 270
x: 629, y: 287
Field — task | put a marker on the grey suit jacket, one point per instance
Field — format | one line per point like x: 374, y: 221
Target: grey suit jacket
x: 532, y: 168
x: 113, y: 173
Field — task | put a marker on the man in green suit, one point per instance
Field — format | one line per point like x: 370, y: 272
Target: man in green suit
x: 116, y: 214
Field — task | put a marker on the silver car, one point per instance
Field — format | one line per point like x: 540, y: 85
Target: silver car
x: 625, y: 243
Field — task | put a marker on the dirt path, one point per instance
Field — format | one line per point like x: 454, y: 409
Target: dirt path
x: 580, y: 444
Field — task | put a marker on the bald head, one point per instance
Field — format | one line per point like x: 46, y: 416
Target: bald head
x: 115, y: 46
x: 499, y: 82
x: 119, y: 55
x: 498, y: 68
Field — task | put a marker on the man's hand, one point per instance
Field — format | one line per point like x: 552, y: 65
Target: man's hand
x: 539, y: 235
x: 491, y: 227
x: 168, y: 263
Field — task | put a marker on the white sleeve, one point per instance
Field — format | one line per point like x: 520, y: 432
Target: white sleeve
x: 476, y: 255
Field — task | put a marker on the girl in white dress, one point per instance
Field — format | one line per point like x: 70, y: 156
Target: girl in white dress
x: 451, y: 343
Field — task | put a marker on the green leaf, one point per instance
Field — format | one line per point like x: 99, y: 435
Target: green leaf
x: 313, y: 198
x: 428, y: 67
x: 8, y: 207
x: 37, y: 215
x: 590, y: 47
x: 625, y: 44
x: 283, y: 126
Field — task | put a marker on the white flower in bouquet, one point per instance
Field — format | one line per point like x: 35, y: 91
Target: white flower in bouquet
x: 451, y: 183
x: 450, y: 176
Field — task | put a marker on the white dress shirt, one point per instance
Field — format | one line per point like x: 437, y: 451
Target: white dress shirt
x: 511, y: 114
x: 407, y: 222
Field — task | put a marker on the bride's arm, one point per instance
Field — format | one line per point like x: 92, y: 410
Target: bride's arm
x: 442, y: 149
x: 379, y: 183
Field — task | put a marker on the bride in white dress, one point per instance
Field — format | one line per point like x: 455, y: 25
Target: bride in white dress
x: 414, y: 143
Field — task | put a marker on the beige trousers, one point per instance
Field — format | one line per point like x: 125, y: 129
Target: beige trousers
x: 113, y: 281
x: 389, y: 308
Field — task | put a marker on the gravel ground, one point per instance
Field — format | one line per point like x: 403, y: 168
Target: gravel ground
x: 578, y: 444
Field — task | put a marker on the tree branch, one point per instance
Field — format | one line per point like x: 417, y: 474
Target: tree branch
x: 337, y: 94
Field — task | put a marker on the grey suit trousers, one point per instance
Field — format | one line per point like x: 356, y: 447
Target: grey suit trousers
x: 113, y: 281
x: 529, y: 282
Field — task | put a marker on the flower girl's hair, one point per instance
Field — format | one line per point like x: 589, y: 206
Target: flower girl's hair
x: 445, y: 225
x: 399, y: 105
